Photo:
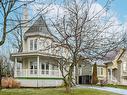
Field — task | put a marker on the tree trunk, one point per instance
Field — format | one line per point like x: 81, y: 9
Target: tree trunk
x: 77, y: 74
x: 68, y: 88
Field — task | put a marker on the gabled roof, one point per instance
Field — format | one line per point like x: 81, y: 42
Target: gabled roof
x: 117, y: 58
x: 39, y: 27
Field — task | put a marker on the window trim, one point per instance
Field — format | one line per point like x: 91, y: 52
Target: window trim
x: 33, y: 44
x: 100, y: 71
x: 124, y: 66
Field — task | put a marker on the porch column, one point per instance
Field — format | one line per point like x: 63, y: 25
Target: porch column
x: 50, y: 69
x: 111, y: 74
x: 108, y: 75
x: 15, y: 67
x: 38, y: 67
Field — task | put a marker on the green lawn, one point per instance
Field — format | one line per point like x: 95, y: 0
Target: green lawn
x: 110, y: 85
x: 52, y: 91
x: 116, y: 86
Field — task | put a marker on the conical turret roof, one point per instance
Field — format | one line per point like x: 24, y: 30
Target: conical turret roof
x: 39, y: 27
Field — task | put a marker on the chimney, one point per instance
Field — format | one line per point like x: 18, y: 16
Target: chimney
x: 25, y: 18
x: 25, y: 26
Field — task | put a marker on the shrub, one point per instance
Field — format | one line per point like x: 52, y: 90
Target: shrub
x: 9, y: 82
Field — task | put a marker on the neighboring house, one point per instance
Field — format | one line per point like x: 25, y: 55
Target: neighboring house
x: 37, y: 65
x: 117, y: 69
x: 86, y: 69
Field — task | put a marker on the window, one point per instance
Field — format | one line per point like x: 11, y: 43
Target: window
x: 109, y: 72
x: 42, y: 68
x: 33, y: 67
x: 47, y: 68
x: 124, y: 66
x: 100, y: 70
x: 33, y: 44
x: 54, y: 67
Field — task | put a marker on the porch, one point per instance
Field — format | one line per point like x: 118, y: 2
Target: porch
x: 112, y: 76
x: 35, y: 66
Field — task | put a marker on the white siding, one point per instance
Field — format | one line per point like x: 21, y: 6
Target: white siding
x: 40, y: 83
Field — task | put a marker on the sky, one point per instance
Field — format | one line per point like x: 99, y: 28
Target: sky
x: 119, y: 7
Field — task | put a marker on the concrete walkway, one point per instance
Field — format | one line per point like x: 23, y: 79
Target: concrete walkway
x: 111, y: 89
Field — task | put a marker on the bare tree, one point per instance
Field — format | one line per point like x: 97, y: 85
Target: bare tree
x: 86, y: 33
x: 17, y: 35
x: 7, y: 8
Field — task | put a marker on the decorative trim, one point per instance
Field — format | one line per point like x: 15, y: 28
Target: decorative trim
x: 40, y: 78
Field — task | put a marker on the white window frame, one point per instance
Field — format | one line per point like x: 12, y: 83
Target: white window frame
x: 100, y: 71
x: 33, y: 44
x: 34, y: 69
x: 125, y: 66
x: 45, y: 70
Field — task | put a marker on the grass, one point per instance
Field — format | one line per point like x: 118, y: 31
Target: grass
x: 116, y: 86
x: 109, y: 85
x: 52, y: 91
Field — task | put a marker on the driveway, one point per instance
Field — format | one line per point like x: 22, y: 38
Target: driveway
x: 111, y: 89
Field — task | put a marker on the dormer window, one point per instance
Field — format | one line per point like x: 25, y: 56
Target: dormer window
x: 33, y: 44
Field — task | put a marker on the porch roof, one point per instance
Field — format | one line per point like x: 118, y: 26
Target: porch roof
x: 37, y: 53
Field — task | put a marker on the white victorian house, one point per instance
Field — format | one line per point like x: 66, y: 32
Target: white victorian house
x: 35, y: 65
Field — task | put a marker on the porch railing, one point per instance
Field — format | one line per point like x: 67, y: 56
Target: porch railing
x: 34, y: 73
